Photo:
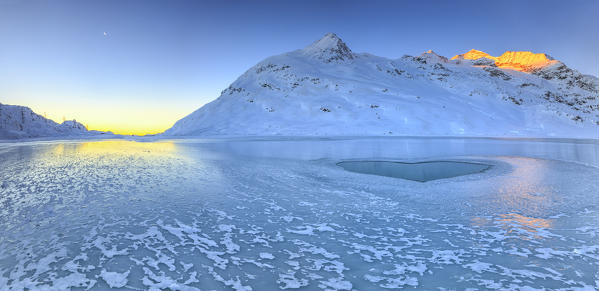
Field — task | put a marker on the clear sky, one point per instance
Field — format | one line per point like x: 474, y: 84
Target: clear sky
x: 138, y: 66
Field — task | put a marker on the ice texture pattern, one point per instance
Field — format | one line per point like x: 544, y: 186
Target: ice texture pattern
x: 264, y: 214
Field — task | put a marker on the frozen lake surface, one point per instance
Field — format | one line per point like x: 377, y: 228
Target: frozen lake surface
x: 267, y: 214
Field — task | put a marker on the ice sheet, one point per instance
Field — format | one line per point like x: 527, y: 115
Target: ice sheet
x: 260, y: 215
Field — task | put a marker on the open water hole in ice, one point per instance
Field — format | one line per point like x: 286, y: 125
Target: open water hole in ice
x: 268, y: 214
x: 418, y: 171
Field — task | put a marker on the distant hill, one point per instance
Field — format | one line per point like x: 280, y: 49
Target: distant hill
x: 21, y: 122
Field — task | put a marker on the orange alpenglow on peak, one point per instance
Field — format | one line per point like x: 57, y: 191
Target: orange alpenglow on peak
x: 474, y: 55
x: 522, y: 61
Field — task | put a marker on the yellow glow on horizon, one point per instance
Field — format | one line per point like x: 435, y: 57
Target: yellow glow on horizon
x: 129, y: 126
x: 128, y: 130
x: 126, y: 118
x: 122, y: 129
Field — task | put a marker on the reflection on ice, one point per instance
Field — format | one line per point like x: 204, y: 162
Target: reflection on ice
x: 516, y: 223
x: 114, y: 147
x: 528, y: 187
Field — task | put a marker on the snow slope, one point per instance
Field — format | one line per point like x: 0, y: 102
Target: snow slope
x: 21, y: 122
x: 326, y: 89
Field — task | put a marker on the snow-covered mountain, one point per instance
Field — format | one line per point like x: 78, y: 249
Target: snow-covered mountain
x: 21, y: 122
x: 326, y: 89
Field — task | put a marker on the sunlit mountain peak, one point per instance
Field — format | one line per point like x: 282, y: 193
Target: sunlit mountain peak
x: 524, y: 61
x: 474, y: 55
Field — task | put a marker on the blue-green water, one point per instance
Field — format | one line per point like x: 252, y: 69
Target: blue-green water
x: 419, y: 171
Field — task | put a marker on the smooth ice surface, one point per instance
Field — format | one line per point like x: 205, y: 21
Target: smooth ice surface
x: 420, y: 171
x: 279, y: 214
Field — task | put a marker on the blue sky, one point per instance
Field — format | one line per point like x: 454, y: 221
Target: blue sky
x: 160, y: 60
